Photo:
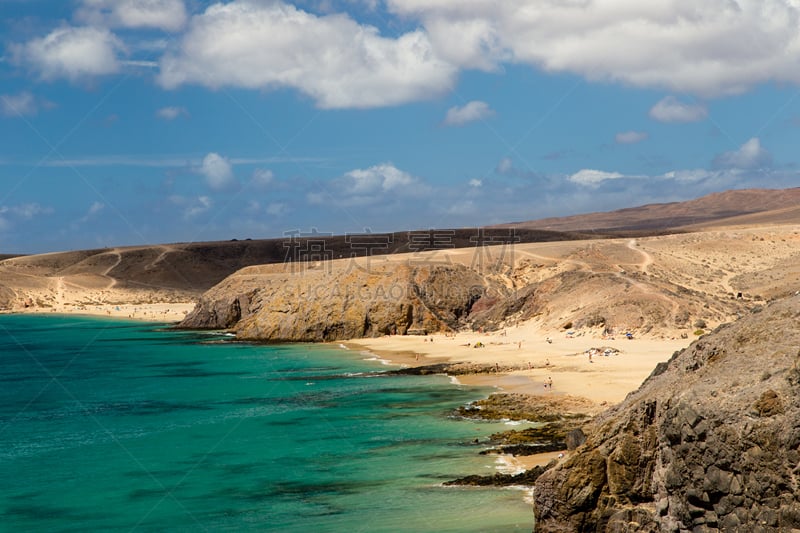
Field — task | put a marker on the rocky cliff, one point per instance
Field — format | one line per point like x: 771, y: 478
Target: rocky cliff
x: 326, y: 302
x: 709, y: 442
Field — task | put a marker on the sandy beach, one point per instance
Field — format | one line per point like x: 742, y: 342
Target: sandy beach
x: 156, y: 312
x: 545, y: 358
x: 564, y: 359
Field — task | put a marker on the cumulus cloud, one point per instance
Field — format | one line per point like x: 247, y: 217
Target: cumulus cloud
x: 376, y: 179
x: 593, y: 178
x: 192, y: 207
x: 378, y: 185
x: 689, y: 175
x: 9, y: 214
x: 71, y: 53
x: 630, y: 137
x: 18, y: 105
x: 277, y: 209
x: 26, y: 211
x: 265, y: 45
x: 708, y: 48
x: 167, y: 15
x: 262, y: 177
x: 472, y: 111
x: 93, y: 210
x: 172, y: 112
x: 475, y: 182
x: 670, y: 109
x: 750, y: 155
x: 218, y: 172
x: 505, y: 166
x: 463, y: 207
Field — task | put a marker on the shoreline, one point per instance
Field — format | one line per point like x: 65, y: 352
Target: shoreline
x: 603, y: 380
x: 538, y: 357
x: 159, y: 312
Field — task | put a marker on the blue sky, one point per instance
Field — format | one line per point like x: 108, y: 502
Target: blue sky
x: 153, y: 121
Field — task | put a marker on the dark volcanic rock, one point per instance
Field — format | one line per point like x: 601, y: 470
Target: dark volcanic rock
x: 709, y: 443
x: 535, y: 408
x: 503, y: 480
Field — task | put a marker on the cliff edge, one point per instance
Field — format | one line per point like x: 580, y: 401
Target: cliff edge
x: 324, y: 302
x: 709, y: 442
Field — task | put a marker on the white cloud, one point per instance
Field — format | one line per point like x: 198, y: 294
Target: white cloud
x: 593, y: 178
x: 475, y: 182
x: 376, y: 179
x: 630, y: 137
x: 201, y: 205
x: 316, y: 198
x: 706, y: 48
x: 29, y: 211
x: 95, y: 208
x: 505, y: 166
x: 18, y: 105
x: 26, y: 211
x: 472, y: 111
x: 71, y: 53
x: 463, y: 207
x: 689, y: 175
x: 670, y: 109
x: 333, y: 59
x: 192, y: 207
x: 217, y: 171
x: 167, y: 15
x: 172, y: 112
x: 750, y: 155
x: 262, y: 177
x: 376, y: 186
x: 277, y: 209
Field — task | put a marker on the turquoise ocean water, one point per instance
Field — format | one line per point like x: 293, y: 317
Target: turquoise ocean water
x: 126, y: 426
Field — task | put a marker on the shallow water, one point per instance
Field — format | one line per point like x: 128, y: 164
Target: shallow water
x: 118, y: 425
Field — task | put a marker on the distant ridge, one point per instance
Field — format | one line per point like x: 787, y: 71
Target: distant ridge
x: 183, y: 271
x: 721, y: 208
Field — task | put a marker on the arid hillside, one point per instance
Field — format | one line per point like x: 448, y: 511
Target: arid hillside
x: 658, y: 281
x: 667, y: 286
x: 717, y: 209
x: 183, y: 271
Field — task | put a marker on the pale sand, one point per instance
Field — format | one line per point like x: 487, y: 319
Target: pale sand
x: 606, y: 380
x: 156, y: 312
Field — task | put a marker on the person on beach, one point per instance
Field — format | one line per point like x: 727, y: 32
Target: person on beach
x: 550, y: 383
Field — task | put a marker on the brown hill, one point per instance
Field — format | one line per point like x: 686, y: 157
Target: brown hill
x: 664, y: 286
x: 772, y: 205
x: 690, y: 279
x: 183, y: 271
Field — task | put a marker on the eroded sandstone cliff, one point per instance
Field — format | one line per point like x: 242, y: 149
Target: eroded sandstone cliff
x: 326, y: 303
x: 710, y: 442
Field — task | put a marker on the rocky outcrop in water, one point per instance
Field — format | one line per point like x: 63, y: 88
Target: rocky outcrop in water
x: 710, y: 442
x: 323, y: 303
